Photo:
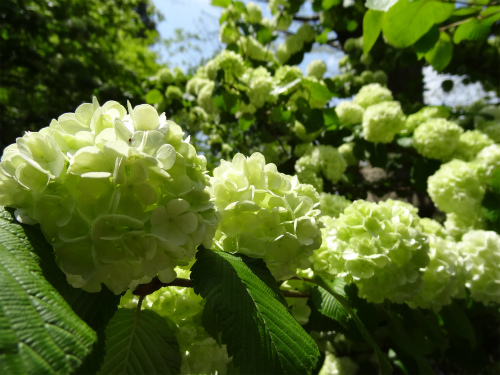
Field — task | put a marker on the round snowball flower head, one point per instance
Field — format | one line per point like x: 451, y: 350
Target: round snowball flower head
x: 349, y: 113
x: 443, y: 278
x: 201, y: 354
x: 381, y: 122
x: 165, y: 76
x: 378, y: 246
x: 316, y: 68
x: 371, y: 94
x: 488, y: 122
x: 332, y: 204
x: 488, y: 160
x: 286, y: 74
x: 457, y: 225
x: 481, y: 252
x: 266, y: 214
x: 122, y: 197
x: 456, y: 187
x: 437, y: 138
x: 254, y: 14
x: 470, y: 144
x: 326, y: 159
x: 422, y: 116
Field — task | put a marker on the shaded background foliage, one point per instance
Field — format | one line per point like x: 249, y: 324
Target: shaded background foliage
x: 57, y: 54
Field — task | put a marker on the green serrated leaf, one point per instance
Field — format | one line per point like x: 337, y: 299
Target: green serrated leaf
x: 372, y: 26
x: 440, y: 56
x: 39, y: 333
x: 471, y: 30
x: 252, y: 316
x: 327, y: 4
x: 406, y: 22
x: 457, y: 322
x: 140, y: 342
x: 154, y: 97
x: 385, y: 366
x: 329, y: 306
x: 330, y: 118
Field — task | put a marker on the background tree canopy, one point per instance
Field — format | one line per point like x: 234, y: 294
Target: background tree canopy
x: 252, y: 217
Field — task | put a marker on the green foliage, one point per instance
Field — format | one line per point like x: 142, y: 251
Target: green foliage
x: 40, y: 333
x: 251, y: 315
x: 140, y: 342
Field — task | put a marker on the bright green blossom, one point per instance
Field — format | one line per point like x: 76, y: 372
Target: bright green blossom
x: 347, y: 152
x: 266, y: 214
x: 349, y: 113
x: 481, y: 252
x: 332, y: 204
x: 470, y: 144
x: 316, y: 68
x: 324, y: 159
x: 382, y: 121
x: 254, y: 14
x: 371, y: 94
x: 456, y: 187
x: 378, y: 246
x: 425, y: 114
x: 121, y: 197
x: 437, y: 138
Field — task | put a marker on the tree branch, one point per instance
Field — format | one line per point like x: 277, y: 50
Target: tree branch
x: 306, y: 18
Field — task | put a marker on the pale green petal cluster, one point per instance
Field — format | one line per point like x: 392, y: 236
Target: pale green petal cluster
x: 260, y: 88
x: 457, y: 225
x: 443, y: 278
x: 456, y: 187
x: 378, y: 246
x: 332, y: 204
x: 481, y: 252
x: 229, y: 33
x: 121, y: 196
x: 488, y: 160
x: 382, y: 121
x: 347, y: 152
x: 254, y: 14
x: 316, y: 68
x: 173, y: 93
x: 266, y: 214
x: 371, y: 94
x: 334, y: 365
x: 437, y: 138
x: 201, y: 354
x: 430, y: 226
x: 165, y: 76
x: 286, y: 74
x: 470, y: 144
x: 349, y: 113
x: 324, y: 159
x: 425, y: 114
x: 251, y: 48
x: 301, y: 132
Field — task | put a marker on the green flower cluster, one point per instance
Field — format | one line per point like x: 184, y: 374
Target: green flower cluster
x: 372, y: 94
x: 254, y: 14
x: 121, y: 197
x: 266, y: 214
x: 382, y: 121
x: 457, y: 225
x: 347, y: 152
x: 349, y: 113
x: 437, y: 138
x: 425, y: 114
x: 201, y: 354
x: 378, y: 246
x: 316, y: 69
x: 295, y: 43
x: 488, y: 160
x: 481, y: 252
x: 332, y: 204
x: 324, y: 159
x: 470, y: 144
x: 456, y: 188
x: 443, y: 277
x: 487, y: 121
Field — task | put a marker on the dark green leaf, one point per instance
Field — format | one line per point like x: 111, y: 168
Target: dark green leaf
x: 427, y: 42
x: 372, y: 25
x: 440, y: 56
x: 264, y: 36
x: 317, y: 90
x: 457, y: 322
x: 140, y: 342
x: 331, y: 119
x: 251, y: 315
x: 245, y: 121
x: 406, y: 22
x: 39, y: 333
x: 329, y: 306
x: 385, y: 366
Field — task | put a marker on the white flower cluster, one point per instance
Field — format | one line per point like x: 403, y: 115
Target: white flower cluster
x: 382, y: 121
x: 437, y: 138
x: 121, y: 197
x: 266, y: 214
